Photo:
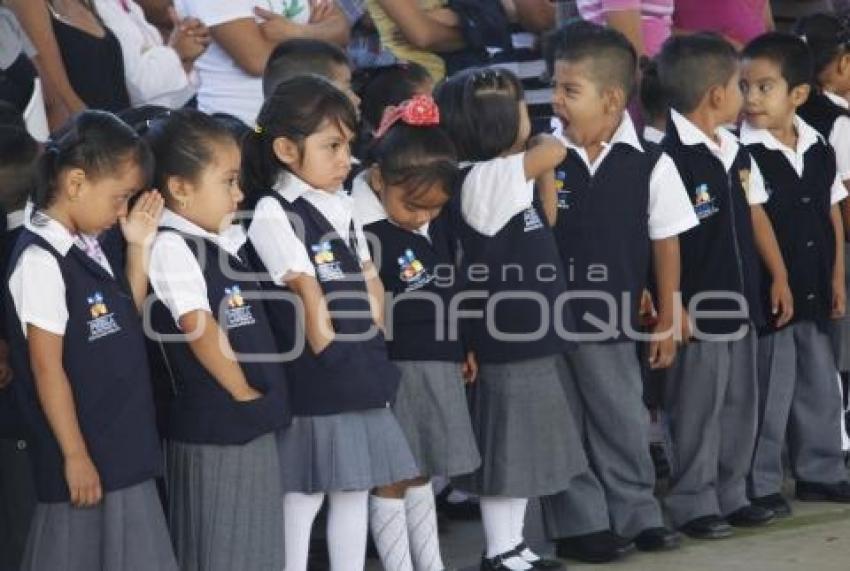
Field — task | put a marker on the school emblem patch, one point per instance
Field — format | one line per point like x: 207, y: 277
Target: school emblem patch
x: 532, y: 219
x: 237, y: 313
x: 327, y: 268
x: 564, y: 195
x: 705, y: 205
x: 413, y: 272
x: 102, y: 322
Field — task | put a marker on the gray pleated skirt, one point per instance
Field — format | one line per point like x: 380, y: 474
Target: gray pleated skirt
x: 525, y: 431
x: 840, y: 328
x: 344, y: 452
x: 224, y: 511
x: 125, y: 532
x: 432, y: 411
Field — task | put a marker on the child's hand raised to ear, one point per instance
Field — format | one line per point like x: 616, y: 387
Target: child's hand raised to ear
x: 140, y: 225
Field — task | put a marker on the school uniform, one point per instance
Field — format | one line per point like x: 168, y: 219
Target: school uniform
x: 511, y: 278
x: 17, y: 493
x: 609, y: 211
x: 223, y: 474
x: 799, y: 401
x: 344, y: 435
x: 431, y: 401
x: 710, y: 393
x: 65, y: 285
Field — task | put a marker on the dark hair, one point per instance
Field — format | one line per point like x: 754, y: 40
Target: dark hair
x: 19, y: 154
x: 296, y: 109
x: 11, y: 116
x: 415, y: 158
x: 827, y: 37
x: 652, y: 98
x: 788, y: 52
x: 612, y: 58
x: 97, y: 142
x: 181, y: 143
x: 479, y: 111
x: 298, y: 57
x: 140, y: 118
x: 689, y: 66
x: 234, y: 124
x: 381, y: 87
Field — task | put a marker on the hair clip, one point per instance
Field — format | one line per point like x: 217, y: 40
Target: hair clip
x: 420, y: 111
x: 258, y: 129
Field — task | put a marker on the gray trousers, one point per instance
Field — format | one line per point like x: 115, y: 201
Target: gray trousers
x: 799, y: 399
x: 605, y: 390
x: 17, y: 502
x: 711, y: 402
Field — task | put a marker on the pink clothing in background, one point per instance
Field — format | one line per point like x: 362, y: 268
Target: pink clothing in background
x: 740, y: 20
x: 656, y: 17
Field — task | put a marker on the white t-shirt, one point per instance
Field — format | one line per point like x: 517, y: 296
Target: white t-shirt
x: 495, y: 191
x: 839, y: 137
x: 224, y: 86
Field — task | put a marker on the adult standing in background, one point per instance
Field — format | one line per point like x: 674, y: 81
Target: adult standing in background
x: 646, y: 23
x: 739, y: 21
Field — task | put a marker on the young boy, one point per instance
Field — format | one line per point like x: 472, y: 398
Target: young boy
x: 796, y: 373
x: 710, y: 393
x: 620, y: 209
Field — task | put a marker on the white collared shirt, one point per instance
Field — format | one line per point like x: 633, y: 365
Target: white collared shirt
x: 839, y: 137
x: 725, y: 152
x: 653, y: 135
x: 174, y: 271
x: 495, y: 191
x: 274, y: 238
x: 806, y: 138
x: 670, y: 210
x: 15, y: 219
x: 368, y: 208
x: 36, y: 283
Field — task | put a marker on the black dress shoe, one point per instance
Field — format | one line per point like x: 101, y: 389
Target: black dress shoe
x: 707, y: 527
x: 497, y: 563
x: 774, y: 502
x: 526, y: 554
x: 750, y: 516
x: 658, y: 539
x: 597, y: 547
x: 817, y: 492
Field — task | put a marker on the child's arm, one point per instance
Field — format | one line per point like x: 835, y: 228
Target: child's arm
x: 317, y: 318
x: 845, y: 215
x: 781, y: 300
x: 375, y: 289
x: 543, y: 150
x: 839, y: 293
x: 667, y: 267
x: 57, y: 401
x: 211, y: 347
x: 419, y: 30
x: 139, y: 229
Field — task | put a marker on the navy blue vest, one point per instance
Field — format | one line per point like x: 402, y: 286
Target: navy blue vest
x: 105, y: 361
x: 12, y: 425
x: 349, y: 375
x: 603, y: 233
x: 202, y: 411
x: 821, y: 113
x: 718, y: 255
x: 522, y: 266
x: 411, y: 265
x: 799, y: 211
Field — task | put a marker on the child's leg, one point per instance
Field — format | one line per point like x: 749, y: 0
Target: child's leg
x: 388, y: 522
x: 738, y: 426
x: 814, y: 430
x: 777, y: 374
x: 422, y: 532
x: 299, y: 511
x: 348, y: 523
x: 498, y: 517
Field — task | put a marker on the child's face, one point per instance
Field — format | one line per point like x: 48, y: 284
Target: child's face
x: 768, y: 102
x: 524, y: 130
x: 731, y: 101
x: 580, y: 104
x: 324, y: 160
x: 95, y: 205
x: 212, y: 199
x: 409, y: 212
x: 341, y: 78
x: 836, y: 76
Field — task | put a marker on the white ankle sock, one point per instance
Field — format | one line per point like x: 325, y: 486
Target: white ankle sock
x: 348, y: 523
x: 422, y: 528
x: 496, y: 517
x: 299, y: 511
x: 389, y: 531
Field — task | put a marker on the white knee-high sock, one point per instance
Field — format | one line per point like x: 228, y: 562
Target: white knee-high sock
x: 388, y: 522
x: 348, y: 523
x: 422, y: 528
x: 299, y: 511
x: 496, y: 517
x: 518, y: 509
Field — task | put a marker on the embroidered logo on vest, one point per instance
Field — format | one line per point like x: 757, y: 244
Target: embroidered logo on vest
x: 564, y: 195
x: 102, y: 322
x: 705, y: 205
x: 413, y: 273
x: 532, y: 219
x: 237, y: 314
x: 327, y: 268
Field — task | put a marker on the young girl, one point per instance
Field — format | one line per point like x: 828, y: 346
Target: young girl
x: 344, y: 440
x: 522, y: 420
x: 222, y: 464
x: 79, y: 358
x: 399, y: 201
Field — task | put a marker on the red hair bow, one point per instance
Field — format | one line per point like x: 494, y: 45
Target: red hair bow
x: 420, y: 111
